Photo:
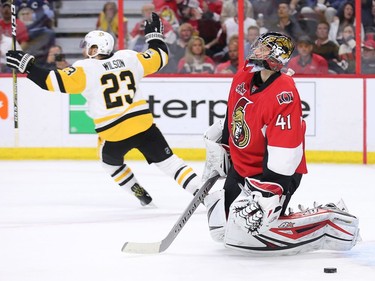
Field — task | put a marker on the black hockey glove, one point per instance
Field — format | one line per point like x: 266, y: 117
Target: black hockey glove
x: 19, y: 60
x: 154, y: 29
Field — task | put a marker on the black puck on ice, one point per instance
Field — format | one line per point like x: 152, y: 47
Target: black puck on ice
x: 330, y: 270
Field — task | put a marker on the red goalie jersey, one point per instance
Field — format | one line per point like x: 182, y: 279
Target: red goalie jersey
x: 266, y: 129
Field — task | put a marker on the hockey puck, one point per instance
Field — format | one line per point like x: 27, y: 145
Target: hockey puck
x: 330, y: 270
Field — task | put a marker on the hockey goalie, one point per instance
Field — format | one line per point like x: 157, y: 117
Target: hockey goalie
x: 259, y: 149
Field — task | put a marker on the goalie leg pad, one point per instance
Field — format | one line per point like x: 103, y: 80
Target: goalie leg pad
x: 216, y: 214
x: 342, y: 232
x: 314, y: 229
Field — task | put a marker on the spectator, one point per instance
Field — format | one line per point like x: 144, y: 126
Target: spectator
x: 191, y: 12
x: 173, y: 5
x: 330, y: 14
x: 6, y: 24
x: 345, y: 16
x: 231, y: 65
x: 347, y: 48
x: 167, y: 14
x: 285, y: 23
x: 253, y: 33
x: 231, y: 25
x: 137, y: 35
x: 177, y: 49
x: 308, y: 20
x: 108, y: 21
x: 195, y: 59
x: 306, y: 62
x: 56, y: 58
x: 215, y: 6
x: 6, y: 44
x: 208, y: 28
x: 41, y: 36
x: 230, y: 9
x: 265, y: 8
x: 368, y: 16
x: 327, y: 48
x: 43, y: 16
x: 368, y: 55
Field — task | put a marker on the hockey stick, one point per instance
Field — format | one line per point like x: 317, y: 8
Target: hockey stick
x: 161, y: 246
x: 15, y: 91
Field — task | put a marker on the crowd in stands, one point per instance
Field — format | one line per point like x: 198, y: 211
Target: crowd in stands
x: 35, y: 22
x: 202, y: 35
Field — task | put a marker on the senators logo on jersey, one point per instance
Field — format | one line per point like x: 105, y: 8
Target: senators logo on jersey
x: 285, y: 97
x: 239, y: 129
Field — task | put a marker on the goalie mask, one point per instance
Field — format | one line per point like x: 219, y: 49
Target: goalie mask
x: 271, y: 50
x: 102, y: 40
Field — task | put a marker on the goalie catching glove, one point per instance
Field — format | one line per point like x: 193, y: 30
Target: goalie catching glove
x: 19, y: 60
x: 154, y: 28
x: 260, y: 209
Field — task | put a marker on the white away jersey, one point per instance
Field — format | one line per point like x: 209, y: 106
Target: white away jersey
x: 112, y: 89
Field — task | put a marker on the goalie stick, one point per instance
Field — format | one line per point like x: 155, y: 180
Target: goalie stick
x: 161, y: 246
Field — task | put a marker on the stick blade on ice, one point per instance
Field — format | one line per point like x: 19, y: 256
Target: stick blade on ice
x: 161, y: 246
x: 141, y: 248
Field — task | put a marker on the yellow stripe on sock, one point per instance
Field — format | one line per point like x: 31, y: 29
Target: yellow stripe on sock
x: 182, y: 177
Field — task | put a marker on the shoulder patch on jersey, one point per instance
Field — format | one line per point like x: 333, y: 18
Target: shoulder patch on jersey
x: 285, y: 97
x: 240, y: 89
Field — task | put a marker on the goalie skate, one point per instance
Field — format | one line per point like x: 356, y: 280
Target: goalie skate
x: 321, y: 228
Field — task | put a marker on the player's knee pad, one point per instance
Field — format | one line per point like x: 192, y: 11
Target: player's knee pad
x: 216, y: 214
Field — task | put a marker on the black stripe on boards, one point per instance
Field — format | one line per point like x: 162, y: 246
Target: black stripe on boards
x: 60, y: 82
x: 178, y: 172
x: 118, y: 170
x: 123, y: 118
x: 126, y: 180
x: 188, y: 180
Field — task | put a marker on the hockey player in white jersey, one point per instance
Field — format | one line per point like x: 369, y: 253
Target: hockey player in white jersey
x: 110, y: 82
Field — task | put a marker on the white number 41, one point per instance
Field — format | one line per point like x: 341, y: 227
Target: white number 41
x: 283, y: 122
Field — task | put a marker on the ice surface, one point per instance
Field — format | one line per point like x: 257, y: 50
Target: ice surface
x: 67, y: 220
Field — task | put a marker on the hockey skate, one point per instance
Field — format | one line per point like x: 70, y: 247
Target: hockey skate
x: 142, y: 195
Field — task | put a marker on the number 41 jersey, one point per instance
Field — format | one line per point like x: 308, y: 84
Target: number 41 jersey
x: 112, y: 89
x: 266, y: 130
